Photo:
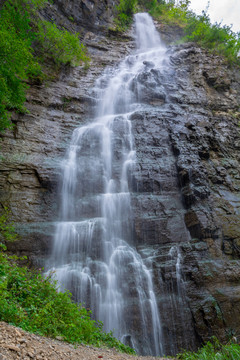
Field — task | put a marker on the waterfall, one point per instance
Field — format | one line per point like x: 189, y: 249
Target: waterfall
x: 177, y: 295
x: 93, y: 254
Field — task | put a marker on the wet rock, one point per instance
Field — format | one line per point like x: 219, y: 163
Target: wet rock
x: 189, y: 148
x: 149, y: 64
x: 81, y: 16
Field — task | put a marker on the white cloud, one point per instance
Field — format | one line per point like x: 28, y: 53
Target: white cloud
x: 225, y: 11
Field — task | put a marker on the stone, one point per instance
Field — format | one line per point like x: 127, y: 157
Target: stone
x: 18, y: 333
x: 149, y: 64
x: 60, y: 338
x: 13, y: 348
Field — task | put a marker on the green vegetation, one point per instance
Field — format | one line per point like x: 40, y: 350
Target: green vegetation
x: 216, y: 38
x: 25, y: 43
x: 198, y: 28
x: 31, y: 301
x: 125, y: 11
x: 7, y: 230
x: 60, y: 45
x: 213, y: 351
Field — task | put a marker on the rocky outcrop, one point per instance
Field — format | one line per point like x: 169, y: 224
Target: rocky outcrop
x: 186, y: 193
x: 82, y: 15
x: 185, y: 188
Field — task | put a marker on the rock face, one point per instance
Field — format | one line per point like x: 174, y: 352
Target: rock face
x: 186, y: 194
x: 82, y: 15
x: 185, y: 189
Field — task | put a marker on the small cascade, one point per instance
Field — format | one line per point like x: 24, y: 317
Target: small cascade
x: 93, y: 254
x: 177, y: 292
x: 176, y: 258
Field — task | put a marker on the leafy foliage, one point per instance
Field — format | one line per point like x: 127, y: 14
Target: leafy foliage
x: 20, y: 28
x: 15, y: 56
x: 61, y: 45
x: 125, y: 11
x: 7, y: 230
x: 213, y: 351
x: 215, y: 37
x: 32, y: 301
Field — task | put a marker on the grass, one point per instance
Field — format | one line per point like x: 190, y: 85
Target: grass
x: 213, y: 350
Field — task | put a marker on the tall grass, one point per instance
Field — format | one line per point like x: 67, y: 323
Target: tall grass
x: 213, y: 351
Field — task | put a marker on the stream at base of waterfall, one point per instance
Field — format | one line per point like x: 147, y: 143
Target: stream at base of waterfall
x: 93, y: 253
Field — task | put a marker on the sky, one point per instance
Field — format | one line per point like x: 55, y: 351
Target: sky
x: 227, y: 11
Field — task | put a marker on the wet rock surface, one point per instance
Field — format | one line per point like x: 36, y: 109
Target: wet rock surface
x: 82, y: 15
x: 186, y: 194
x: 185, y: 188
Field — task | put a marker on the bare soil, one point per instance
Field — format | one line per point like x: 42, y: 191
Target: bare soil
x: 17, y: 344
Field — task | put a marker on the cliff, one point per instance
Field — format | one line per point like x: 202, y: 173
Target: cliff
x: 185, y: 189
x: 186, y: 193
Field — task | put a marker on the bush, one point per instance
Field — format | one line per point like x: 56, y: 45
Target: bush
x: 20, y: 28
x: 217, y: 38
x: 16, y: 55
x: 60, y: 45
x: 213, y: 351
x: 125, y: 11
x: 7, y: 230
x: 32, y: 302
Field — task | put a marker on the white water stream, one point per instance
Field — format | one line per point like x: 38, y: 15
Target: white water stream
x: 94, y: 254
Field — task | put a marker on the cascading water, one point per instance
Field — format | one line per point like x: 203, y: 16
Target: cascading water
x: 93, y: 254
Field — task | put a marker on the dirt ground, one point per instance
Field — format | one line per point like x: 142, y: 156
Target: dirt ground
x: 16, y: 344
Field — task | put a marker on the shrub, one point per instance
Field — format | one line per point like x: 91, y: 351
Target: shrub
x: 60, y: 45
x: 16, y: 55
x: 31, y: 301
x: 217, y: 38
x: 125, y: 11
x: 20, y: 28
x: 7, y: 230
x: 213, y: 350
